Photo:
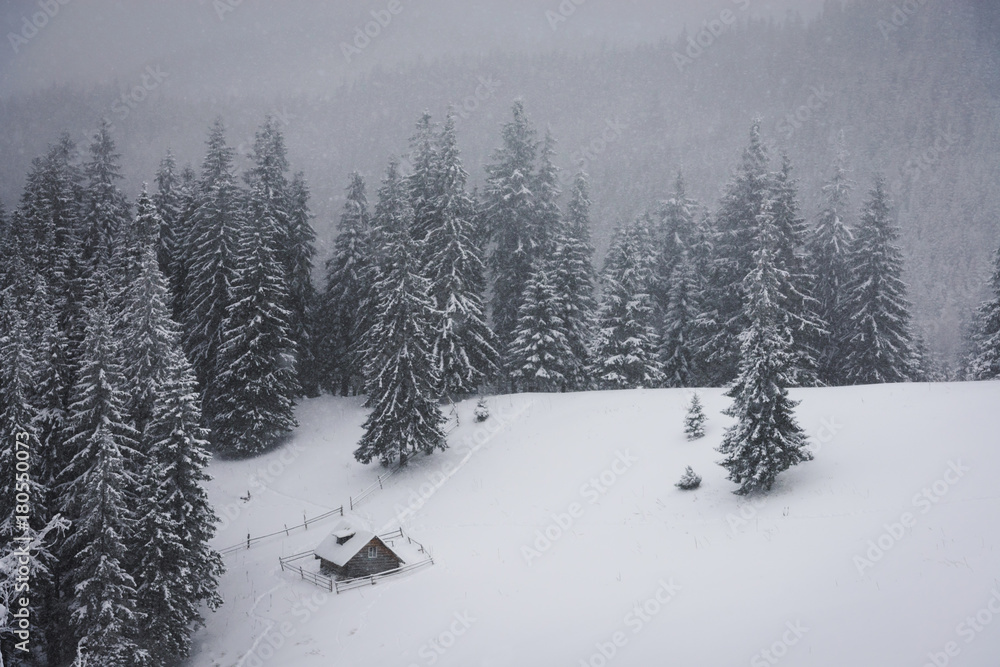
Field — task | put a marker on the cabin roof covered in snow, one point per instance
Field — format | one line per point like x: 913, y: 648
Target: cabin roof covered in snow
x: 339, y: 554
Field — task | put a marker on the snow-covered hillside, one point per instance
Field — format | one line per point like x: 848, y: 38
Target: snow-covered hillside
x: 559, y: 538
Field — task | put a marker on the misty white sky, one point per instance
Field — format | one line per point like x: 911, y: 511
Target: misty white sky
x: 219, y: 47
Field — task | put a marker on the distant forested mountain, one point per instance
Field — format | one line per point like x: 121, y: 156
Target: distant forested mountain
x: 913, y: 90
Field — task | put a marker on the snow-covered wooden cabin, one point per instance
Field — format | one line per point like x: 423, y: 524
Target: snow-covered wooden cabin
x: 352, y: 550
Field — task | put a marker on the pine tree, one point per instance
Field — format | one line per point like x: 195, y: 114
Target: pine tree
x: 689, y: 480
x: 540, y: 356
x: 798, y: 305
x: 829, y: 245
x: 625, y: 353
x: 179, y: 272
x: 169, y: 202
x: 985, y: 358
x: 464, y: 347
x: 250, y: 398
x: 106, y: 211
x: 879, y: 345
x: 99, y: 497
x: 400, y: 378
x: 548, y: 217
x: 573, y: 278
x: 694, y: 421
x: 733, y: 243
x: 678, y: 346
x: 341, y: 315
x: 178, y: 570
x: 511, y: 218
x: 674, y: 235
x: 424, y: 184
x: 212, y: 256
x: 765, y: 440
x: 302, y: 293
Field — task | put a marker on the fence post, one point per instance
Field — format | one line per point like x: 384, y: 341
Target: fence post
x: 286, y: 530
x: 248, y: 541
x: 305, y: 521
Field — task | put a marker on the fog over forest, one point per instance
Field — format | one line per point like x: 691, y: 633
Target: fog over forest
x: 912, y: 93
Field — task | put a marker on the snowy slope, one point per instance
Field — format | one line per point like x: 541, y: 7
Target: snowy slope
x: 643, y: 572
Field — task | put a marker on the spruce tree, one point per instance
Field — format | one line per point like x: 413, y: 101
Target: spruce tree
x: 678, y: 345
x: 347, y: 272
x: 106, y: 211
x: 879, y: 343
x: 179, y: 271
x: 424, y: 184
x: 99, y: 497
x: 250, y: 397
x: 302, y: 296
x: 178, y: 571
x: 170, y: 207
x: 573, y: 278
x: 766, y: 439
x: 829, y: 245
x: 212, y: 259
x: 732, y: 260
x: 464, y: 347
x: 510, y: 212
x: 540, y: 356
x: 674, y: 235
x: 626, y: 348
x: 798, y: 305
x: 548, y: 217
x: 694, y: 421
x: 400, y: 376
x: 985, y: 358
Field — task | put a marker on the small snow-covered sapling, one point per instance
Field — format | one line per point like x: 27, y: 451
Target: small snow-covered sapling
x: 689, y: 480
x: 482, y: 412
x: 694, y: 422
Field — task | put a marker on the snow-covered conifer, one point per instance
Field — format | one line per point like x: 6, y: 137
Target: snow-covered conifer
x: 694, y: 421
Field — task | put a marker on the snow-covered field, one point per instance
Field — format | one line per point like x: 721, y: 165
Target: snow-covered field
x: 559, y: 539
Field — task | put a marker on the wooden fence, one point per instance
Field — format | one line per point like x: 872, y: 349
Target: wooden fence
x: 335, y: 586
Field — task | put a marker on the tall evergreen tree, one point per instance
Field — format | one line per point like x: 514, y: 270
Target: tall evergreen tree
x: 678, y: 345
x: 573, y: 278
x: 169, y: 201
x: 464, y: 347
x: 99, y: 498
x: 540, y: 357
x: 733, y: 243
x: 879, y: 345
x: 798, y: 305
x: 179, y: 272
x: 548, y: 217
x: 342, y: 308
x: 511, y: 218
x: 625, y: 352
x: 301, y: 291
x: 400, y: 375
x: 212, y: 255
x: 424, y: 184
x: 106, y: 211
x: 829, y: 245
x: 766, y: 439
x: 674, y: 235
x: 985, y: 358
x: 250, y: 398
